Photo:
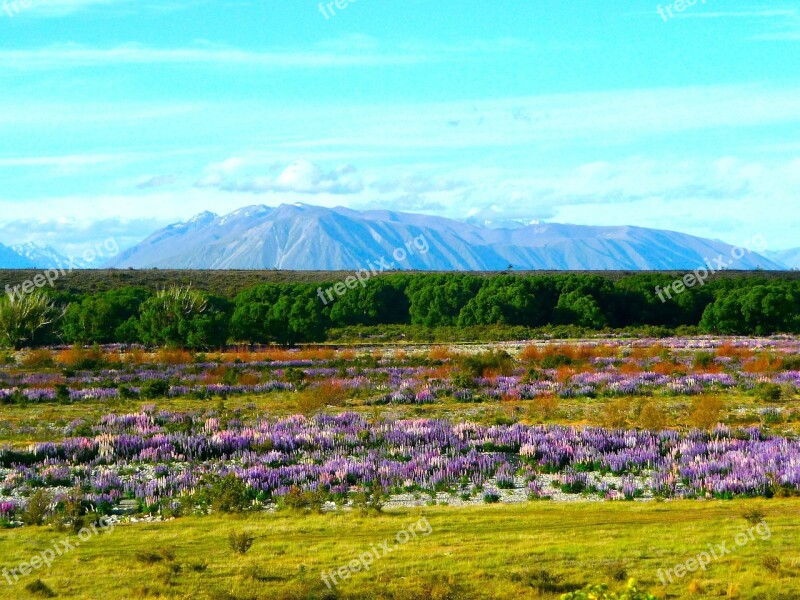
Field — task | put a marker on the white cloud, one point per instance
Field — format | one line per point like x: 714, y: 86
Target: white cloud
x: 300, y: 176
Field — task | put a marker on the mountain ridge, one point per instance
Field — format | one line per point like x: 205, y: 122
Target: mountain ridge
x: 306, y: 237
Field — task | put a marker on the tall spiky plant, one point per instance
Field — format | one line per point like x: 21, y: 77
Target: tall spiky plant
x: 22, y: 318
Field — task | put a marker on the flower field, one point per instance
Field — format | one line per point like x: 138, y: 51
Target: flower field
x: 588, y: 369
x: 138, y: 450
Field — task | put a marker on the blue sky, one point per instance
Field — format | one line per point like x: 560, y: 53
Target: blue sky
x: 119, y: 117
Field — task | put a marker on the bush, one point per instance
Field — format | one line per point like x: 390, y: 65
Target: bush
x: 543, y: 580
x: 62, y: 393
x: 148, y: 557
x: 37, y: 359
x: 491, y: 497
x: 39, y: 588
x: 600, y: 592
x: 703, y: 360
x: 498, y: 361
x: 155, y: 388
x: 313, y: 399
x: 310, y: 501
x: 227, y: 494
x: 754, y: 516
x: 769, y: 392
x: 369, y: 500
x: 554, y: 361
x: 617, y: 571
x: 615, y: 413
x: 771, y: 563
x: 706, y: 412
x: 240, y: 542
x: 294, y: 376
x: 652, y: 417
x: 38, y: 508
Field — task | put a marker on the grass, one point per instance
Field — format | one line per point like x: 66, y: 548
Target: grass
x: 534, y: 550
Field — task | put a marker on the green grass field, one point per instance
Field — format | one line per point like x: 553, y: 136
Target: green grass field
x: 533, y: 550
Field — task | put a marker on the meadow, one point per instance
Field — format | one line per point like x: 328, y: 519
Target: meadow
x: 541, y: 467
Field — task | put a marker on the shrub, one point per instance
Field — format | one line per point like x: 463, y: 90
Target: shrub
x: 600, y: 592
x: 173, y: 356
x: 167, y: 553
x: 72, y: 511
x: 706, y: 411
x: 617, y: 571
x: 227, y: 494
x: 240, y: 542
x: 294, y: 376
x: 768, y: 392
x: 148, y: 557
x: 369, y: 500
x: 38, y: 508
x: 543, y: 580
x: 754, y: 515
x: 615, y: 413
x: 652, y: 417
x: 703, y: 360
x: 792, y: 363
x: 79, y: 358
x: 39, y: 588
x: 313, y: 399
x: 494, y: 360
x: 310, y: 501
x: 491, y: 497
x: 463, y: 381
x: 155, y: 388
x: 771, y: 563
x: 554, y: 361
x: 37, y: 359
x: 62, y: 393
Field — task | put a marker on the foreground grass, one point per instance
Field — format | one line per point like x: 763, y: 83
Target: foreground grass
x: 536, y: 550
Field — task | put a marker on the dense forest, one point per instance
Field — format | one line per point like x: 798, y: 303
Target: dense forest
x: 290, y: 313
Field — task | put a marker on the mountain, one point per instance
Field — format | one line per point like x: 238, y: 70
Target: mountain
x: 306, y: 237
x: 10, y: 259
x: 41, y: 257
x: 34, y: 256
x: 789, y: 258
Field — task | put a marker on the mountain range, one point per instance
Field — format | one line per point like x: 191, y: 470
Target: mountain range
x: 34, y: 256
x: 303, y: 237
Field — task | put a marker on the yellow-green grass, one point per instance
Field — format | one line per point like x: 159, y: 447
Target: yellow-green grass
x: 491, y: 551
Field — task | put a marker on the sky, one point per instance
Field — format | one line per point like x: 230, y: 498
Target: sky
x: 119, y: 117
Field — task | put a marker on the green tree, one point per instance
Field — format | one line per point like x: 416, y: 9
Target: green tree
x: 104, y: 317
x: 181, y: 316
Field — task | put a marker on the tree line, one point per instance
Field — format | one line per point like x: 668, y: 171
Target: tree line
x: 291, y: 313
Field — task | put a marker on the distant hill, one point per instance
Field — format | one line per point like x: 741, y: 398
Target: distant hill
x: 788, y: 258
x: 303, y: 237
x: 11, y: 259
